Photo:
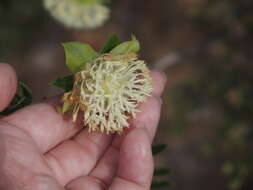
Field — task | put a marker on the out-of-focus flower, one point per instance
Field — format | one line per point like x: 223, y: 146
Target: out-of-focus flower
x: 78, y: 14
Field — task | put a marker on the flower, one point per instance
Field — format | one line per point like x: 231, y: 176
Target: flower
x: 109, y: 90
x: 78, y: 14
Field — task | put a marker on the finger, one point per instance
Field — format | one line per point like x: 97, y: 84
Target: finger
x: 135, y: 167
x: 106, y: 168
x: 159, y: 80
x: 148, y: 117
x: 42, y: 122
x: 77, y: 157
x: 135, y: 163
x: 43, y: 182
x: 8, y: 85
x: 85, y: 183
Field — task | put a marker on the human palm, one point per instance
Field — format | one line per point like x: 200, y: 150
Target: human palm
x: 40, y: 149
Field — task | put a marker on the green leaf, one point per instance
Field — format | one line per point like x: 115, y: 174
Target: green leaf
x: 156, y: 149
x: 77, y: 55
x: 22, y: 98
x: 66, y: 83
x: 111, y: 43
x: 161, y: 171
x: 132, y: 46
x: 160, y: 184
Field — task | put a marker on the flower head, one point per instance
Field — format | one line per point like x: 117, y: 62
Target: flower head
x: 78, y: 13
x: 109, y: 90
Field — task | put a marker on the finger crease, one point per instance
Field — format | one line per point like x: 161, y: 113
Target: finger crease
x: 144, y: 186
x: 52, y: 157
x: 101, y: 182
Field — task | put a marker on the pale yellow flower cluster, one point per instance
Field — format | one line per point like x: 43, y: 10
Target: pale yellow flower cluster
x: 78, y: 14
x: 109, y: 91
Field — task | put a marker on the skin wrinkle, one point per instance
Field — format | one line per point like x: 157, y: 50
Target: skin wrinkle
x: 87, y: 146
x: 21, y: 167
x: 51, y: 159
x: 99, y: 160
x: 4, y: 180
x: 104, y: 173
x: 66, y: 170
x: 125, y: 185
x: 83, y: 182
x: 24, y: 122
x: 92, y: 140
x: 102, y: 183
x: 99, y: 147
x: 131, y: 181
x: 41, y: 181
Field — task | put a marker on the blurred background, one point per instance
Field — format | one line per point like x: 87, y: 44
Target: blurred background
x: 204, y: 47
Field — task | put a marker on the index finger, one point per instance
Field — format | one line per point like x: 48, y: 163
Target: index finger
x: 135, y: 163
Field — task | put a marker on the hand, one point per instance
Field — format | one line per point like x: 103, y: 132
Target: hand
x: 40, y: 150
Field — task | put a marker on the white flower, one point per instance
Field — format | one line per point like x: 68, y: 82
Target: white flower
x: 78, y: 14
x: 109, y: 91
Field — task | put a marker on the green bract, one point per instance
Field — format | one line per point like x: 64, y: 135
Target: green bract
x: 132, y: 46
x: 66, y: 83
x: 156, y: 149
x: 78, y: 54
x: 112, y: 42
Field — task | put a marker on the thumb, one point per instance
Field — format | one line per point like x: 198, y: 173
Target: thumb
x: 135, y: 168
x: 8, y: 85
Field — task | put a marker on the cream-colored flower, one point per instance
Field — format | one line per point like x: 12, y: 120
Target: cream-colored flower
x: 109, y: 90
x: 78, y: 14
